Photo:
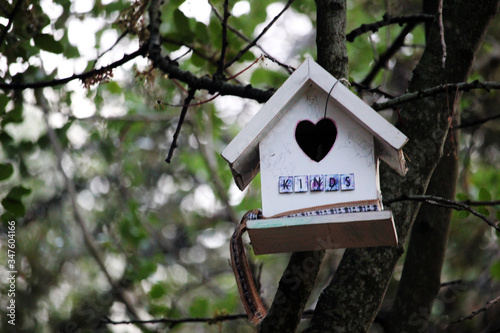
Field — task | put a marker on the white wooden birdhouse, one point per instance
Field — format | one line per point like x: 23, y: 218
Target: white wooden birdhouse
x: 317, y: 146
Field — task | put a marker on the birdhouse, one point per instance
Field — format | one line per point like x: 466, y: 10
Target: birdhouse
x: 317, y: 147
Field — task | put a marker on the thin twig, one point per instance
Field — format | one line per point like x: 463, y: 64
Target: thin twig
x: 253, y: 42
x: 184, y: 110
x: 481, y: 203
x: 462, y: 86
x: 387, y: 19
x: 192, y: 104
x: 475, y: 313
x: 220, y: 67
x: 446, y: 203
x: 191, y: 47
x: 184, y: 54
x: 288, y: 68
x: 34, y: 85
x: 112, y: 47
x: 477, y: 122
x: 144, y: 118
x: 197, y: 51
x: 441, y: 33
x: 376, y: 90
x: 450, y: 283
x: 176, y: 321
x: 244, y: 69
x: 389, y: 53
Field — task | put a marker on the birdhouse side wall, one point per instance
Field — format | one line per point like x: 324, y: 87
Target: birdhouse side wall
x: 299, y: 172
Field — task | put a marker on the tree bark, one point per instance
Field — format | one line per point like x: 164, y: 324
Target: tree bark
x: 425, y: 254
x: 426, y: 249
x: 300, y: 275
x: 353, y: 297
x: 330, y: 37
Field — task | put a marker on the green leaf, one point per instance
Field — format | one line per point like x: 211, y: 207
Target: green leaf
x: 14, y: 116
x: 484, y: 195
x: 462, y: 197
x: 113, y: 87
x: 199, y: 307
x: 183, y: 27
x: 14, y: 206
x: 157, y: 291
x: 5, y: 139
x: 145, y: 269
x: 6, y: 170
x: 180, y: 20
x: 18, y: 192
x: 159, y: 310
x: 48, y: 43
x: 12, y: 202
x: 201, y: 31
x: 462, y: 214
x: 197, y: 60
x: 267, y: 78
x: 483, y: 210
x: 4, y: 99
x: 495, y: 270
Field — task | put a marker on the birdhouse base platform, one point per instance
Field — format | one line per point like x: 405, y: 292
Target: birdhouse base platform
x: 306, y: 233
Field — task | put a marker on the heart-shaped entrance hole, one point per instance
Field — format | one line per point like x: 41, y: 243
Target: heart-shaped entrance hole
x: 316, y: 140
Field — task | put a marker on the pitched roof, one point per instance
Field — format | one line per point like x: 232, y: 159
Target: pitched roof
x: 242, y: 153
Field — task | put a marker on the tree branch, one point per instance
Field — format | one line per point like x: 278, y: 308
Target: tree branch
x: 221, y: 66
x: 441, y: 33
x: 173, y: 71
x: 387, y: 19
x: 253, y: 42
x: 187, y: 100
x: 389, y: 53
x: 57, y: 82
x: 125, y: 33
x: 475, y: 313
x: 443, y: 202
x: 177, y: 321
x: 376, y: 90
x: 289, y: 69
x: 481, y: 203
x: 462, y: 86
x: 426, y: 250
x: 477, y: 122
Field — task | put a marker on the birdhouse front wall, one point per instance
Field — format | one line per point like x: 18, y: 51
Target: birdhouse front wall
x: 314, y: 158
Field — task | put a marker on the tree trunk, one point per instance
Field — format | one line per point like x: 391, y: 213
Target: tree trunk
x: 300, y: 275
x: 425, y: 254
x: 353, y: 297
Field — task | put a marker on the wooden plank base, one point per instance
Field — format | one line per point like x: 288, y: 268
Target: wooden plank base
x: 295, y: 234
